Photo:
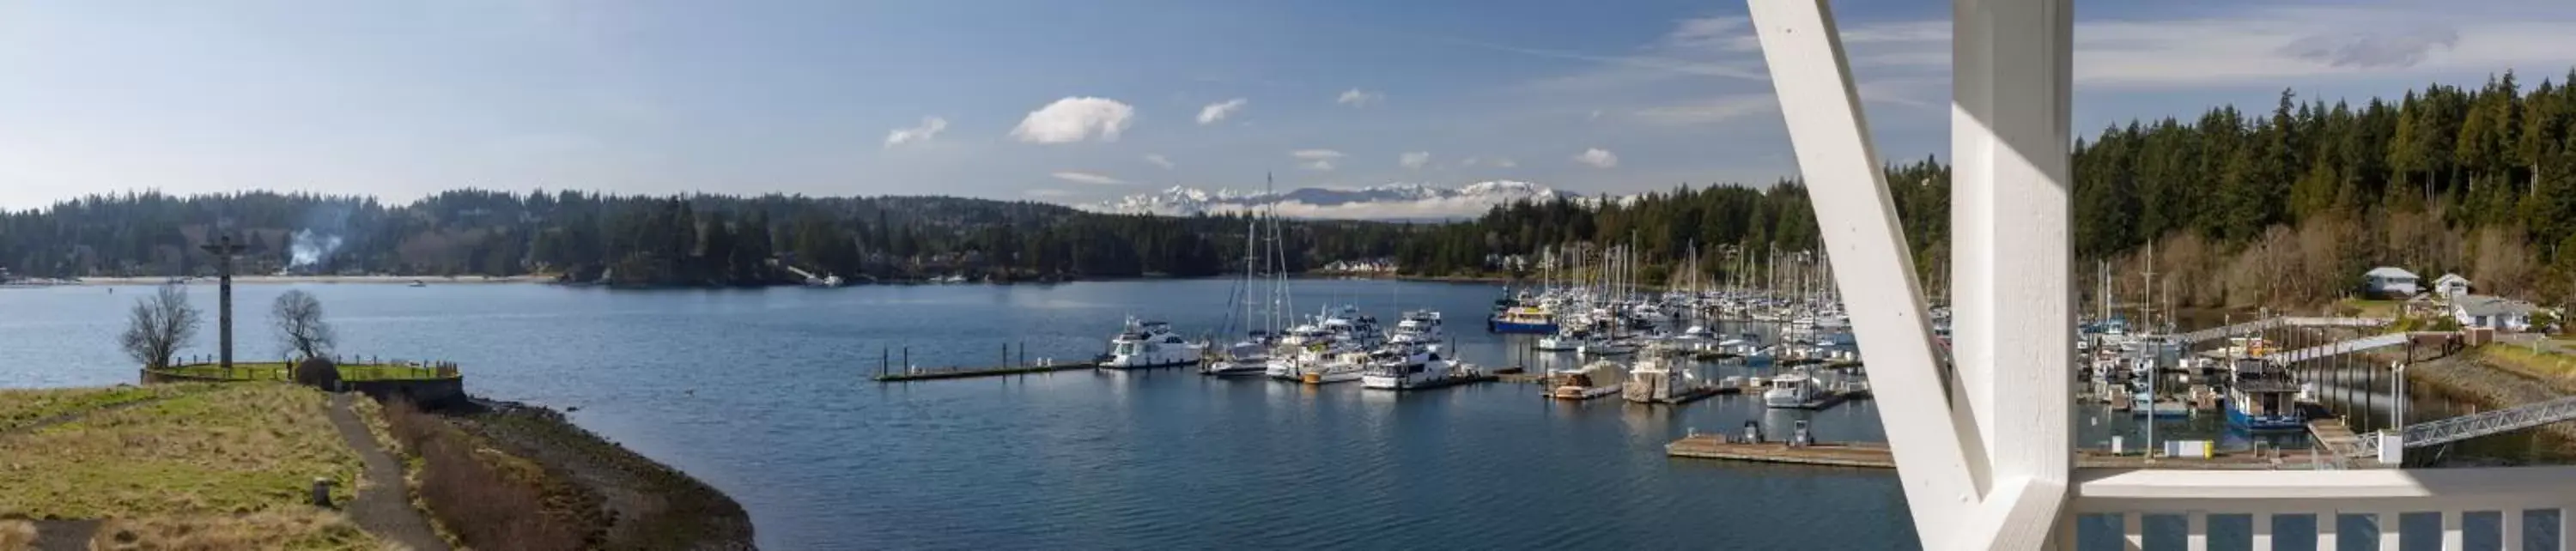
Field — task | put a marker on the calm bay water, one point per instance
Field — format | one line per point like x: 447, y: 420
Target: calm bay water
x: 764, y: 394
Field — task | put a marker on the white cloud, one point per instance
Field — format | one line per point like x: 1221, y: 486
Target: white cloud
x: 1316, y: 159
x: 1075, y: 119
x: 1159, y: 160
x: 1087, y: 178
x: 1044, y: 193
x: 2266, y: 43
x: 1414, y: 159
x: 930, y: 128
x: 1505, y: 162
x: 1598, y: 158
x: 1470, y: 161
x: 1220, y: 110
x: 1359, y: 98
x: 1710, y: 111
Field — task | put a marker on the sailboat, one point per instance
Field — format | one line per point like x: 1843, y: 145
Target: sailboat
x: 1251, y: 355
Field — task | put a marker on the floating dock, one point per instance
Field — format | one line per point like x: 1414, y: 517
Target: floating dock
x: 928, y: 374
x: 1846, y: 454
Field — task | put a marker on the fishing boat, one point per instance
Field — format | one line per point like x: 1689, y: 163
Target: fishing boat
x: 1529, y: 319
x: 1148, y: 344
x: 1655, y: 379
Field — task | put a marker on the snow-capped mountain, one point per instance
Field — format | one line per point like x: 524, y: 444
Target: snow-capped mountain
x: 1400, y: 201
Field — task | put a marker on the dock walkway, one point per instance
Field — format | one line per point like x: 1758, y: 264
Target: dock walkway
x: 964, y: 372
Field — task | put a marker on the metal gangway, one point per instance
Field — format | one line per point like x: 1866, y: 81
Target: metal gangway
x: 2340, y: 348
x: 2445, y: 431
x: 2260, y: 325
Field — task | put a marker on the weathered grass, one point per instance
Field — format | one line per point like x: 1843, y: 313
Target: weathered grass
x: 22, y: 407
x: 241, y: 448
x: 279, y: 371
x: 483, y: 497
x: 2556, y: 368
x: 304, y: 530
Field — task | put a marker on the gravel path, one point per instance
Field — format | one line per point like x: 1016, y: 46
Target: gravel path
x: 383, y: 507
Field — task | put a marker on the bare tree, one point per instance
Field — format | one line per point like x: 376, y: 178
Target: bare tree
x: 160, y: 324
x: 298, y: 317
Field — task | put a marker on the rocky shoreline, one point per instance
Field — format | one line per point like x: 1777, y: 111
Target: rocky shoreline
x: 637, y: 502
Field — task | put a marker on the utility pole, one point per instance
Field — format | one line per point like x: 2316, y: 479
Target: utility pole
x: 224, y: 248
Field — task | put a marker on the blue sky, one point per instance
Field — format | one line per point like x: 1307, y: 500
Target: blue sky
x: 1078, y: 101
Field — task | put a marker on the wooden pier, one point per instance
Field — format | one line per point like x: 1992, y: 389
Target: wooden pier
x: 929, y: 374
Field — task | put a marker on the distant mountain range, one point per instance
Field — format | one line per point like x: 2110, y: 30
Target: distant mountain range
x: 1398, y: 201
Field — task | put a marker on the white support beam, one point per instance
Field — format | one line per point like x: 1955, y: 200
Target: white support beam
x: 2011, y: 228
x: 2262, y: 537
x: 1938, y: 451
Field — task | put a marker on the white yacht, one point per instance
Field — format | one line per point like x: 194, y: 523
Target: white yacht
x: 1400, y: 368
x: 1337, y: 368
x: 1417, y: 327
x: 1565, y: 340
x: 1793, y: 390
x: 1150, y: 344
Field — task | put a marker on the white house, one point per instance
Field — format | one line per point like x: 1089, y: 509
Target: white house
x: 2492, y: 312
x: 2390, y: 281
x: 2451, y: 286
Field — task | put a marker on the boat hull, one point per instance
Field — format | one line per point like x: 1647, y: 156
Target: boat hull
x: 1506, y: 326
x: 1224, y: 368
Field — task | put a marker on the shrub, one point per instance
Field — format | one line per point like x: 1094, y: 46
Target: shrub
x: 318, y: 373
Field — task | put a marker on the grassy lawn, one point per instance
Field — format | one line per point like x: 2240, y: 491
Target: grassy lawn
x: 278, y: 371
x: 300, y: 530
x: 2543, y: 364
x: 233, y: 450
x: 21, y: 407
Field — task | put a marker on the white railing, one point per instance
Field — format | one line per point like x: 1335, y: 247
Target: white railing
x: 2508, y: 508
